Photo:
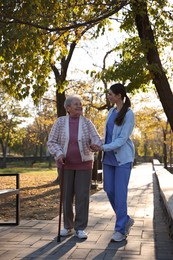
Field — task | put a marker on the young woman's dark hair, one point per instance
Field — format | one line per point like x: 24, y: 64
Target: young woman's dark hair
x: 120, y: 89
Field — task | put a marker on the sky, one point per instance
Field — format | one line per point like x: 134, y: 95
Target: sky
x: 90, y: 54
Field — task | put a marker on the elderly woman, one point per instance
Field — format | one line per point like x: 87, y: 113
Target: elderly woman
x: 69, y: 141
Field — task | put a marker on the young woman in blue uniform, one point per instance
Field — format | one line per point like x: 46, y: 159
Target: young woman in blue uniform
x: 118, y: 157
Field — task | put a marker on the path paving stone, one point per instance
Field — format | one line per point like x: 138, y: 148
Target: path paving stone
x: 148, y: 239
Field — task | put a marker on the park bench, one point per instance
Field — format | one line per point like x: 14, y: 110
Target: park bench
x: 9, y: 192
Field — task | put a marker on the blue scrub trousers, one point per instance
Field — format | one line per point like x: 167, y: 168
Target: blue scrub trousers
x: 116, y: 180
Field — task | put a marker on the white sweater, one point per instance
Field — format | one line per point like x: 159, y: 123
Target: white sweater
x: 59, y: 138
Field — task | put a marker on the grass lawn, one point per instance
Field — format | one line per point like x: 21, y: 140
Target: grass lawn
x: 39, y: 193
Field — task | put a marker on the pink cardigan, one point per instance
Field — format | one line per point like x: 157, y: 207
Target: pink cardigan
x: 59, y: 138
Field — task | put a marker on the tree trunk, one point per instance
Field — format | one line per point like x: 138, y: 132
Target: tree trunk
x: 170, y: 155
x: 60, y: 98
x: 145, y: 151
x: 60, y: 77
x: 154, y: 64
x: 164, y: 150
x: 41, y: 150
x: 3, y: 163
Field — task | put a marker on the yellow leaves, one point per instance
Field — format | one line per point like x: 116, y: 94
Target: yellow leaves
x: 1, y: 59
x: 38, y: 194
x: 150, y: 128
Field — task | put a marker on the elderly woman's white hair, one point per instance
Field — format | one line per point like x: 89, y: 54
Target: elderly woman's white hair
x: 69, y: 100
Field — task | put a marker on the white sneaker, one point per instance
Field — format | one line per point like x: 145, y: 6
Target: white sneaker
x: 129, y: 225
x: 66, y: 232
x: 81, y: 234
x: 117, y: 237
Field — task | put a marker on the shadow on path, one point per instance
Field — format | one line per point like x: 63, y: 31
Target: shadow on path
x: 55, y: 250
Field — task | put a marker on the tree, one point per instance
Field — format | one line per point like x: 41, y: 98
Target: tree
x: 34, y: 139
x: 11, y: 116
x: 138, y: 63
x: 66, y: 22
x: 152, y: 56
x: 152, y: 136
x: 34, y: 45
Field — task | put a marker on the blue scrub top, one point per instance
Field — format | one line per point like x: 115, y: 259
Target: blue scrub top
x: 109, y: 157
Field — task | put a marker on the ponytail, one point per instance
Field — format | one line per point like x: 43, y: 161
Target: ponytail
x: 118, y: 88
x: 119, y: 119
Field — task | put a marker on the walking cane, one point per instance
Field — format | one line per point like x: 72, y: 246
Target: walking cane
x: 60, y: 203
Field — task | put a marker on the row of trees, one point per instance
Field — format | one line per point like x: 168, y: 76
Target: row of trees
x: 39, y: 38
x: 152, y: 136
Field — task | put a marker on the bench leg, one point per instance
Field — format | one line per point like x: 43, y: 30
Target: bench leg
x: 17, y: 209
x: 17, y: 218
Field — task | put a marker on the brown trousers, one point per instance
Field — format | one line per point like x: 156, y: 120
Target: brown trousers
x: 76, y: 189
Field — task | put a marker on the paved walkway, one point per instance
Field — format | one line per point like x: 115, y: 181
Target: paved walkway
x: 148, y: 238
